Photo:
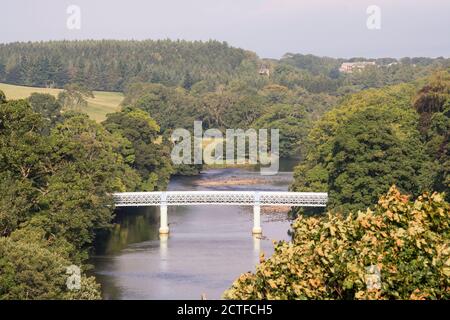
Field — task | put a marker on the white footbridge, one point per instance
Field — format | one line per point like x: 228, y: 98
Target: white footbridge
x: 238, y: 198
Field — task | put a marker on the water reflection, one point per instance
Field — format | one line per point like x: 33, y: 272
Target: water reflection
x: 207, y: 249
x: 256, y: 247
x: 163, y: 239
x: 133, y: 225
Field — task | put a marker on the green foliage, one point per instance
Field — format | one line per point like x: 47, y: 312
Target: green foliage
x: 433, y: 105
x: 47, y: 106
x: 33, y: 267
x: 292, y: 123
x: 109, y: 65
x: 56, y: 194
x: 23, y: 149
x: 233, y: 106
x: 372, y: 150
x: 68, y: 171
x: 149, y: 157
x: 170, y: 107
x: 329, y: 255
x: 313, y: 64
x: 432, y: 98
x: 74, y: 96
x: 367, y: 143
x: 321, y: 74
x: 17, y: 202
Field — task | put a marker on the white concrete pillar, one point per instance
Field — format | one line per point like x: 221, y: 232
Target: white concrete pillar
x: 164, y: 226
x: 256, y: 219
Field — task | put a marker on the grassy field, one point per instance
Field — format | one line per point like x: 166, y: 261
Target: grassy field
x: 103, y: 103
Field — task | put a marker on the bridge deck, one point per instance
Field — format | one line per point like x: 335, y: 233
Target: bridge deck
x: 241, y: 198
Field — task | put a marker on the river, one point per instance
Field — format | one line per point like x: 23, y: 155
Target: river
x: 207, y: 249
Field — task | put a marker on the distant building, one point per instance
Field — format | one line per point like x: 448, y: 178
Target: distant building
x: 392, y: 64
x: 349, y: 67
x: 288, y: 56
x: 264, y: 70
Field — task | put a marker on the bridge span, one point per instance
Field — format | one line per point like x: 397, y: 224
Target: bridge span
x: 238, y: 198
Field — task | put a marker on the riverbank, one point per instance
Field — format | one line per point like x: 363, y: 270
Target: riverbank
x: 238, y: 181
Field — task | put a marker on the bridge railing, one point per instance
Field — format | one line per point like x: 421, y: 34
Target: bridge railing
x: 243, y: 198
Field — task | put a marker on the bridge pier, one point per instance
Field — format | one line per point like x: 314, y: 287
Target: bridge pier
x: 256, y: 219
x: 164, y: 226
x: 257, y: 214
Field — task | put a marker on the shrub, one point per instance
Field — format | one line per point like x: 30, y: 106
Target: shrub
x: 338, y: 256
x: 34, y: 267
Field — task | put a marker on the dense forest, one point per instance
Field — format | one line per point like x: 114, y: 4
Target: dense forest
x: 178, y: 82
x: 57, y: 172
x: 379, y: 137
x: 353, y: 134
x: 112, y: 65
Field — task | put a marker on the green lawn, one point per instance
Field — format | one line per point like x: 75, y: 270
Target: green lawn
x: 103, y: 103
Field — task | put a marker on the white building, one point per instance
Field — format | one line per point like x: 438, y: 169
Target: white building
x: 349, y: 67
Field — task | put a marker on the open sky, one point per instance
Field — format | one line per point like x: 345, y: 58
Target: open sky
x: 271, y: 28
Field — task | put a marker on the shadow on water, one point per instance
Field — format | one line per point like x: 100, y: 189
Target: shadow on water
x: 131, y: 225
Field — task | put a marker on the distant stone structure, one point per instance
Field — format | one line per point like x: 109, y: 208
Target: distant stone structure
x: 264, y: 70
x: 392, y: 64
x: 350, y: 67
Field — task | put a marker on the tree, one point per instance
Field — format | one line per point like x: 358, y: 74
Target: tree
x: 23, y: 149
x: 56, y: 194
x: 23, y: 163
x: 17, y: 202
x: 150, y: 157
x: 47, y: 106
x: 433, y: 105
x: 72, y: 170
x: 292, y: 123
x: 370, y: 153
x: 74, y: 96
x: 188, y: 81
x: 33, y: 267
x: 2, y: 72
x: 214, y: 108
x: 106, y: 64
x: 87, y: 169
x: 396, y: 250
x: 170, y: 107
x: 313, y: 172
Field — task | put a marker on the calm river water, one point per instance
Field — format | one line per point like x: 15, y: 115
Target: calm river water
x: 207, y: 249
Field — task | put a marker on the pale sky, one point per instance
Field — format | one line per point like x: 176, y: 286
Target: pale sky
x: 271, y: 28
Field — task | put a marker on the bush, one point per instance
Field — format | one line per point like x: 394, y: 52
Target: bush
x: 2, y: 97
x: 338, y: 256
x: 34, y: 267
